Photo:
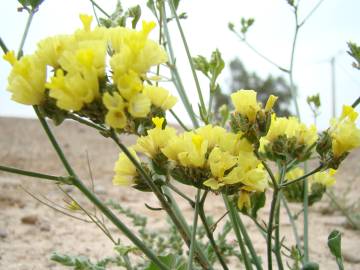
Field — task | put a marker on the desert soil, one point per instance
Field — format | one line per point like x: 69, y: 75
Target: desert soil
x: 31, y: 231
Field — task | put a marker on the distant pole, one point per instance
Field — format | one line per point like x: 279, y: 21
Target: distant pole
x: 333, y: 86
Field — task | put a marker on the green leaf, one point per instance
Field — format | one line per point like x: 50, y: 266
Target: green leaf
x: 201, y: 64
x: 315, y: 100
x: 78, y: 262
x: 172, y: 261
x: 355, y: 53
x: 34, y: 4
x: 135, y: 13
x: 334, y: 243
x: 310, y: 266
x: 216, y: 65
x: 151, y: 5
x: 176, y: 3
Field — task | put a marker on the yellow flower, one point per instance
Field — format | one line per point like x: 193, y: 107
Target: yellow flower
x: 294, y: 174
x: 134, y: 51
x: 270, y: 103
x: 195, y: 150
x: 129, y: 84
x: 249, y: 172
x: 325, y: 178
x: 213, y: 134
x: 245, y: 103
x: 291, y: 127
x: 86, y: 21
x: 26, y: 81
x: 88, y: 55
x: 188, y: 149
x: 219, y: 162
x: 244, y: 200
x: 50, y: 49
x: 73, y: 90
x: 125, y: 170
x: 10, y: 57
x: 344, y: 133
x: 139, y: 105
x: 253, y: 180
x: 160, y: 97
x: 115, y: 117
x: 156, y: 139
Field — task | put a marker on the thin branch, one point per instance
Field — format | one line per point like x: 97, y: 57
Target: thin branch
x: 52, y: 207
x: 181, y: 194
x: 3, y: 46
x: 311, y: 12
x: 197, y: 84
x: 251, y: 47
x: 356, y: 102
x: 100, y: 8
x: 62, y: 179
x: 86, y: 122
x: 179, y: 121
x: 26, y: 31
x: 193, y: 232
x: 302, y: 177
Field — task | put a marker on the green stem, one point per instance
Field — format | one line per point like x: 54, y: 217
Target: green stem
x: 263, y: 232
x: 232, y: 213
x: 181, y: 194
x: 251, y: 47
x: 166, y: 206
x: 26, y: 31
x: 356, y: 102
x: 333, y: 199
x: 3, y: 46
x: 62, y: 179
x: 292, y: 221
x: 270, y: 227
x: 248, y: 242
x: 86, y: 122
x: 311, y: 12
x: 179, y: 214
x: 197, y: 84
x: 179, y: 121
x: 211, y: 99
x: 193, y: 232
x: 306, y: 216
x: 277, y: 221
x: 105, y: 210
x: 99, y: 8
x: 174, y: 71
x: 210, y: 235
x: 291, y: 69
x: 302, y: 177
x: 54, y: 142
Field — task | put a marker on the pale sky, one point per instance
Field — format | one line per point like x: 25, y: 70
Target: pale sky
x: 323, y: 36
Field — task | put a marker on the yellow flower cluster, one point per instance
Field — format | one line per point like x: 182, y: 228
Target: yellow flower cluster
x: 81, y: 76
x: 245, y: 103
x: 125, y: 170
x: 344, y: 133
x: 291, y: 127
x: 288, y: 136
x: 227, y: 157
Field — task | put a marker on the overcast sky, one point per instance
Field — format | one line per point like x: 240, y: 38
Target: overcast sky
x: 323, y: 36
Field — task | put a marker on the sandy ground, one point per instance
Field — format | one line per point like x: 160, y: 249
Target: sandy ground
x: 24, y: 246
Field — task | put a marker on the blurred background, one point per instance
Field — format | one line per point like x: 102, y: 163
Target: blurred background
x: 321, y: 61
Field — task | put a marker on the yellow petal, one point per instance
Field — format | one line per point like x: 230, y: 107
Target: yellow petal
x: 270, y: 102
